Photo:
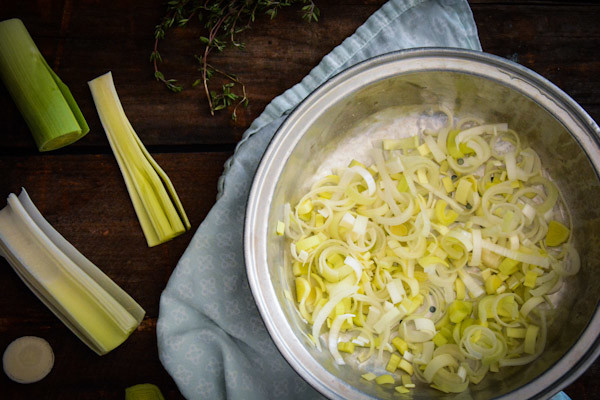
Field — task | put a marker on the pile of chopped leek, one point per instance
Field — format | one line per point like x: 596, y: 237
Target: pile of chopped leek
x: 436, y: 257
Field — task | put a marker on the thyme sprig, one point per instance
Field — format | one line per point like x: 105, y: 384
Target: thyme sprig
x: 222, y: 21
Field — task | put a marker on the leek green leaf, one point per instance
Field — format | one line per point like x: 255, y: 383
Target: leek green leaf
x: 45, y: 102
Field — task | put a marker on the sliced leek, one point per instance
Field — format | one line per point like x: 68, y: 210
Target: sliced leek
x: 154, y: 199
x: 87, y: 301
x: 28, y: 359
x: 45, y: 102
x: 438, y: 252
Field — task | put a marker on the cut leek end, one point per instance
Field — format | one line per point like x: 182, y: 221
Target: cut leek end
x: 165, y: 238
x: 28, y: 359
x: 46, y: 103
x: 154, y: 199
x: 106, y: 344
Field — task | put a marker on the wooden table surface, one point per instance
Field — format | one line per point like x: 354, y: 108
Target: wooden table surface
x: 80, y: 191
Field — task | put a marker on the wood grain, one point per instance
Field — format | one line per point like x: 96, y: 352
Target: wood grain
x: 80, y: 190
x: 556, y: 41
x: 85, y: 199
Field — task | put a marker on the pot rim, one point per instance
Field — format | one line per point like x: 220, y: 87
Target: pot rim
x: 564, y: 371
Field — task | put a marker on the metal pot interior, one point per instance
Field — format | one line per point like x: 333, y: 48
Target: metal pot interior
x: 334, y: 125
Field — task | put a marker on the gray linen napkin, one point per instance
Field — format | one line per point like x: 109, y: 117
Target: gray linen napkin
x: 211, y: 338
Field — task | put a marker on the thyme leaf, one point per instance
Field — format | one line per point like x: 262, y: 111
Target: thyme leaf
x: 222, y: 21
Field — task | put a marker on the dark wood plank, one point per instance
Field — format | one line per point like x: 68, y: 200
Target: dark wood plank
x: 93, y: 40
x: 84, y: 197
x: 558, y: 41
x: 587, y: 386
x: 81, y: 192
x: 118, y: 36
x: 78, y: 373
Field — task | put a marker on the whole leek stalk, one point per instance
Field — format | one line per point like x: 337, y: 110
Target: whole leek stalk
x: 45, y: 102
x: 87, y: 301
x: 154, y: 199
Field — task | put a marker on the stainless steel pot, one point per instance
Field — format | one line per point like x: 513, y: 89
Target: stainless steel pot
x: 322, y: 132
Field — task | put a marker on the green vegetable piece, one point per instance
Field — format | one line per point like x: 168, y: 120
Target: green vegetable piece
x: 45, y: 102
x: 557, y: 234
x: 154, y: 199
x: 143, y: 391
x: 459, y: 310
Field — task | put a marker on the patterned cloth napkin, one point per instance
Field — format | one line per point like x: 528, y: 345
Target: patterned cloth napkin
x: 211, y: 338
